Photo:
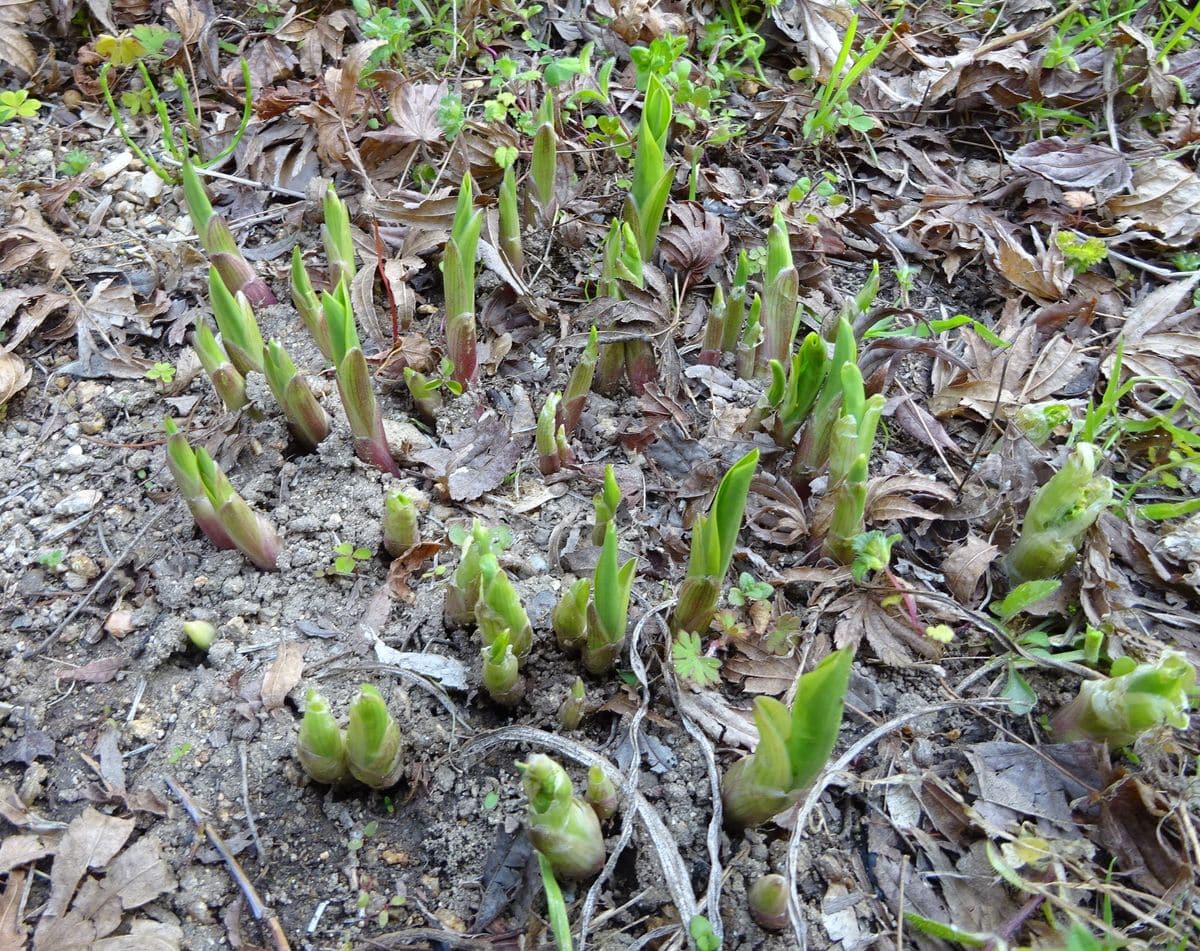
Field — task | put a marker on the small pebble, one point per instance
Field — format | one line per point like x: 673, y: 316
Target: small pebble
x: 79, y: 502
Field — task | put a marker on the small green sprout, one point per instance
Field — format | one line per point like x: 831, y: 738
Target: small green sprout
x: 872, y: 553
x: 52, y: 558
x: 74, y: 163
x: 347, y: 558
x: 1081, y: 254
x: 562, y: 826
x: 200, y: 633
x: 691, y: 663
x: 162, y: 372
x: 748, y: 589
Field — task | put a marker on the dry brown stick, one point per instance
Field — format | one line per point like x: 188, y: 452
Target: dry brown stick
x: 258, y: 908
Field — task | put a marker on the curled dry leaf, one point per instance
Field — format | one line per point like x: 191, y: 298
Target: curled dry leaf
x: 1165, y: 199
x: 1075, y: 164
x: 694, y: 240
x: 14, y: 376
x: 966, y: 564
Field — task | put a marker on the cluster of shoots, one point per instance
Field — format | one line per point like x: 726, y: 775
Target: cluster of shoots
x: 793, y: 746
x: 553, y: 450
x: 1059, y: 517
x: 1135, y: 699
x: 592, y: 615
x: 368, y: 750
x: 633, y: 358
x: 849, y: 457
x: 219, y: 511
x: 723, y: 330
x: 713, y: 538
x: 564, y: 827
x: 458, y: 277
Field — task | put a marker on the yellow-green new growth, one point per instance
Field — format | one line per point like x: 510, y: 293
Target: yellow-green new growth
x: 306, y: 418
x: 399, y: 523
x: 321, y: 743
x: 605, y: 504
x: 1136, y: 698
x: 338, y: 239
x: 308, y: 306
x: 601, y: 794
x: 458, y: 281
x: 502, y: 672
x: 226, y: 380
x: 609, y: 611
x: 570, y: 615
x: 235, y: 319
x: 499, y: 609
x: 1059, y: 517
x: 781, y: 295
x: 562, y: 826
x: 374, y: 752
x: 570, y: 714
x: 792, y: 747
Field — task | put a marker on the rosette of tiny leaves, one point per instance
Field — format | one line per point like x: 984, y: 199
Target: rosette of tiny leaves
x: 553, y: 450
x: 1059, y: 517
x: 575, y: 395
x: 781, y: 295
x: 735, y: 306
x: 226, y: 380
x: 813, y: 451
x: 308, y: 306
x: 354, y: 383
x: 235, y: 319
x: 338, y: 241
x: 307, y: 420
x: 609, y: 611
x: 181, y: 460
x: 792, y: 747
x: 321, y: 744
x: 426, y: 394
x: 570, y: 714
x: 499, y: 608
x: 502, y: 673
x: 652, y: 176
x: 570, y: 615
x: 218, y: 242
x: 747, y: 348
x: 374, y: 752
x: 544, y: 163
x: 605, y: 504
x: 767, y: 899
x: 601, y: 794
x: 713, y: 538
x: 399, y: 523
x: 562, y: 826
x: 849, y: 460
x: 458, y: 280
x: 510, y: 224
x: 251, y: 534
x: 1136, y: 698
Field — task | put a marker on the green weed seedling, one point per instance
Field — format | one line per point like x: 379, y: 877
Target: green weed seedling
x: 346, y: 559
x: 15, y: 104
x: 834, y: 109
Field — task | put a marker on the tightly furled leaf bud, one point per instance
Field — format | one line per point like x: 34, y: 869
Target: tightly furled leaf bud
x: 321, y: 745
x: 562, y: 826
x: 499, y: 608
x: 570, y: 714
x: 374, y: 752
x: 601, y: 794
x: 501, y: 672
x: 768, y: 902
x: 306, y: 418
x: 570, y: 615
x: 399, y: 523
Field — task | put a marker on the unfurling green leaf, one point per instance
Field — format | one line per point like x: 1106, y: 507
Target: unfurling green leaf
x: 374, y: 750
x: 321, y: 745
x: 562, y: 826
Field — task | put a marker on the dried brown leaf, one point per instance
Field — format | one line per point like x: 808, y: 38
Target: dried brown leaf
x: 759, y: 671
x: 860, y: 617
x: 283, y: 674
x: 892, y: 496
x: 15, y: 48
x: 12, y: 932
x: 14, y: 376
x: 22, y: 849
x: 26, y: 240
x: 91, y: 841
x: 145, y: 934
x: 99, y: 671
x: 964, y: 566
x: 477, y: 460
x: 1042, y: 275
x: 694, y: 240
x: 1075, y: 164
x: 1165, y: 199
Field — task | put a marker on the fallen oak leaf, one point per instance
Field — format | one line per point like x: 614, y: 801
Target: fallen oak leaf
x: 91, y: 841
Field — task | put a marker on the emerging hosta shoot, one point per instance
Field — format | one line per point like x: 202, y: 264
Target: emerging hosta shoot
x: 714, y: 329
x: 789, y: 399
x: 781, y: 295
x: 338, y: 240
x: 768, y: 902
x: 226, y: 380
x: 220, y: 512
x: 554, y: 451
x: 824, y: 413
x: 307, y: 420
x: 399, y: 523
x: 458, y: 279
x: 501, y: 672
x: 571, y: 614
x: 575, y: 395
x: 1136, y: 698
x: 570, y: 714
x: 309, y: 306
x: 747, y: 348
x: 1059, y: 516
x: 354, y: 383
x: 713, y: 538
x: 499, y: 610
x: 463, y: 591
x: 426, y: 394
x: 201, y: 634
x: 239, y: 330
x: 735, y: 306
x: 609, y: 610
x: 181, y: 460
x: 510, y: 224
x: 622, y: 265
x: 601, y: 794
x: 792, y: 747
x: 849, y: 457
x: 218, y: 242
x: 321, y: 745
x: 652, y: 176
x: 544, y: 166
x: 605, y: 503
x: 562, y: 826
x: 374, y: 752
